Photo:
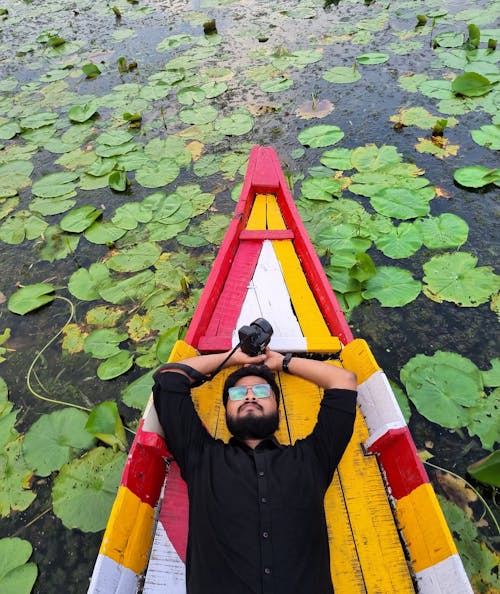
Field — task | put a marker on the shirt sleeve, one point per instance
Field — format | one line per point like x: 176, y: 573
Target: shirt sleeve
x: 185, y: 434
x: 334, y: 428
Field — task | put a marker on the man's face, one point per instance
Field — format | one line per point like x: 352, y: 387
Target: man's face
x: 251, y: 417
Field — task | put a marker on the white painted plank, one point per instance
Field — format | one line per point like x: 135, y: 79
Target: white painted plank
x: 166, y: 572
x: 109, y: 577
x: 267, y: 297
x: 446, y: 577
x: 379, y: 406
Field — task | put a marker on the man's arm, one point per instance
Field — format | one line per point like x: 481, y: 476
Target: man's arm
x: 318, y: 372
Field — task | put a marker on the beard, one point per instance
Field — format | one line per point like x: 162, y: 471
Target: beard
x: 253, y: 427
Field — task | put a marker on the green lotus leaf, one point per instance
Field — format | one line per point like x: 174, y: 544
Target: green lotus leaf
x: 115, y: 366
x: 137, y: 393
x: 199, y: 115
x: 8, y: 129
x: 118, y: 181
x: 105, y: 423
x: 103, y: 232
x: 344, y: 242
x: 213, y: 89
x: 364, y: 268
x: 30, y: 297
x: 174, y: 41
x: 128, y: 289
x: 442, y: 387
x: 436, y: 89
x: 449, y: 39
x: 82, y: 113
x: 15, y: 479
x: 80, y: 219
x: 5, y: 405
x: 84, y: 284
x: 444, y: 231
x: 114, y: 137
x: 190, y: 95
x: 192, y: 194
x: 85, y: 489
x: 476, y: 176
x: 372, y: 58
x: 237, y: 124
x: 322, y: 188
x: 16, y: 575
x: 20, y: 226
x: 373, y: 158
x: 455, y: 277
x: 165, y: 343
x: 487, y: 470
x: 342, y: 74
x: 401, y: 203
x: 471, y: 84
x: 276, y: 84
x: 174, y: 209
x: 483, y: 419
x: 131, y: 214
x: 155, y: 175
x: 135, y: 258
x: 104, y: 342
x: 401, y: 242
x: 38, y: 120
x: 215, y: 227
x: 488, y: 136
x: 392, y: 287
x: 104, y: 150
x: 54, y: 185
x: 91, y: 70
x: 58, y: 244
x: 339, y: 158
x: 283, y: 60
x: 491, y: 378
x: 320, y: 136
x: 56, y: 438
x: 171, y: 148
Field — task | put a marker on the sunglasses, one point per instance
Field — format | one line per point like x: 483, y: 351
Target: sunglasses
x: 259, y: 391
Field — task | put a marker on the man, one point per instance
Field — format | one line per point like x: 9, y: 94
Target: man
x: 256, y: 513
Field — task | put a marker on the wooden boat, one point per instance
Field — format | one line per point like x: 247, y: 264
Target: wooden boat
x: 387, y: 532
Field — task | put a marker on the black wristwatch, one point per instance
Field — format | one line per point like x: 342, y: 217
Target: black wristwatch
x: 286, y: 362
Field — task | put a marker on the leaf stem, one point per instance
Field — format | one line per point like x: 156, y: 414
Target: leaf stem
x: 486, y: 506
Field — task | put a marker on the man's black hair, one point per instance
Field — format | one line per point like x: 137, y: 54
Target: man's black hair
x: 260, y: 371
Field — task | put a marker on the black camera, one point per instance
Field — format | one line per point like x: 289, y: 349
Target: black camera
x: 255, y: 338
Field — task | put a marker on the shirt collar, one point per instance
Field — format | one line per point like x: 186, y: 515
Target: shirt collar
x: 270, y: 443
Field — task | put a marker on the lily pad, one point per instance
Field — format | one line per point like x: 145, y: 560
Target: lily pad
x: 401, y: 203
x: 115, y: 366
x: 16, y: 575
x: 476, y: 176
x: 455, y: 277
x: 401, y: 242
x: 487, y: 470
x: 82, y: 113
x: 342, y: 74
x: 445, y: 231
x: 103, y: 343
x: 320, y: 136
x: 135, y: 258
x: 80, y: 219
x: 236, y: 124
x: 372, y: 58
x: 84, y: 284
x: 199, y: 115
x: 105, y: 423
x: 15, y: 479
x: 442, y: 387
x: 55, y: 439
x: 488, y: 136
x: 30, y: 297
x: 137, y: 393
x: 57, y: 184
x: 392, y: 287
x: 322, y: 188
x: 85, y: 489
x: 471, y: 84
x: 156, y: 175
x: 58, y: 244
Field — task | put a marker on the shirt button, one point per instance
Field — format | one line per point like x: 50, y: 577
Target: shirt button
x: 265, y: 534
x: 263, y: 500
x: 261, y: 473
x: 267, y: 571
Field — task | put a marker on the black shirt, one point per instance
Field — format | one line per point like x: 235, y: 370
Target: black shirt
x: 256, y: 517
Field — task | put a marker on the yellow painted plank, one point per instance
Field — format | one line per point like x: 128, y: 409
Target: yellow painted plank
x: 424, y: 527
x: 182, y: 350
x: 274, y: 217
x: 308, y: 313
x: 258, y: 216
x: 382, y: 559
x: 356, y: 356
x: 129, y: 531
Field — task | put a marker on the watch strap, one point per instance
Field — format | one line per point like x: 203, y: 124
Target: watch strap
x: 286, y: 362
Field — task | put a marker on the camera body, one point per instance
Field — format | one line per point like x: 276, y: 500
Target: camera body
x: 255, y: 337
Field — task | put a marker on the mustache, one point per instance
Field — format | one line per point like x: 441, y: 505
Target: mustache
x: 252, y: 403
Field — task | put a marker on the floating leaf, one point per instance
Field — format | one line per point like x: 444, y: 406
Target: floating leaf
x: 135, y: 258
x: 442, y: 387
x: 236, y: 124
x: 85, y: 489
x: 314, y: 109
x: 276, y: 85
x: 57, y: 184
x: 445, y: 231
x: 156, y: 175
x: 454, y: 277
x: 136, y: 394
x: 471, y: 84
x: 342, y: 74
x: 392, y: 287
x: 115, y: 366
x: 103, y: 343
x: 80, y: 219
x: 105, y: 423
x: 58, y: 244
x: 103, y: 232
x: 30, y: 297
x: 55, y: 439
x: 128, y: 289
x: 488, y: 136
x: 372, y: 58
x: 15, y: 479
x: 339, y: 158
x: 320, y: 136
x: 487, y: 470
x: 91, y: 70
x: 401, y: 242
x: 118, y: 181
x: 476, y: 176
x: 14, y: 176
x: 82, y: 113
x: 449, y: 39
x: 401, y: 203
x: 20, y: 226
x: 16, y: 575
x: 491, y: 378
x: 190, y: 95
x: 198, y: 115
x: 84, y: 284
